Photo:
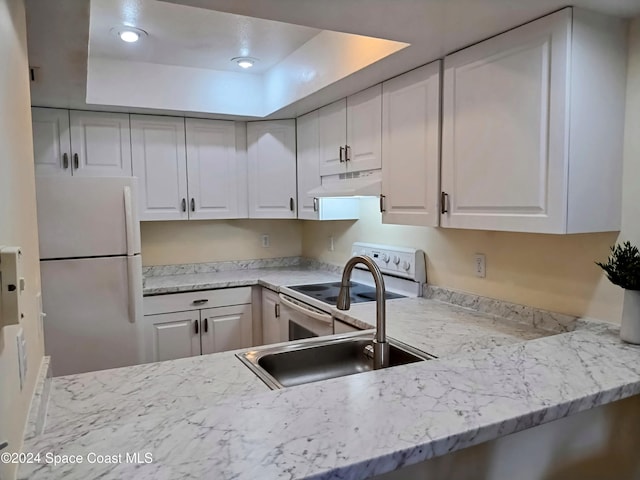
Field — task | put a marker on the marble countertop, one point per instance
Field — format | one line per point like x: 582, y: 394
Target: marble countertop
x: 272, y: 278
x: 209, y: 417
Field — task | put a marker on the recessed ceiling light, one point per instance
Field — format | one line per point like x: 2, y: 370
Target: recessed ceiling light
x: 245, y: 62
x: 128, y: 34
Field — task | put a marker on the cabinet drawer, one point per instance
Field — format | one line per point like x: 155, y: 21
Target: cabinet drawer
x: 181, y: 302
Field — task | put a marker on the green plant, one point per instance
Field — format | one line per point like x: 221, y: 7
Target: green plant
x: 623, y: 266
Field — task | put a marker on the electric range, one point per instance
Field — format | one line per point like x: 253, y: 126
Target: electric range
x: 306, y: 310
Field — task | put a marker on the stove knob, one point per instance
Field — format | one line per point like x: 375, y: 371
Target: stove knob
x: 396, y: 259
x: 406, y: 265
x: 385, y: 258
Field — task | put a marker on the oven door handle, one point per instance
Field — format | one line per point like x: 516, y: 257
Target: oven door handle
x: 322, y: 317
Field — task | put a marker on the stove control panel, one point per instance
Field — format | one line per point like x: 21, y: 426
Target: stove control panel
x: 398, y: 261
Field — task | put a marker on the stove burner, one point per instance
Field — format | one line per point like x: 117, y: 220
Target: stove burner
x: 328, y: 292
x: 334, y: 299
x: 312, y: 288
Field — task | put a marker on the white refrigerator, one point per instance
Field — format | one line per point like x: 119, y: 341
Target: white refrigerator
x: 91, y: 272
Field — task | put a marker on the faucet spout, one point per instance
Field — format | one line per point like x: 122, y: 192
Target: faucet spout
x: 380, y: 344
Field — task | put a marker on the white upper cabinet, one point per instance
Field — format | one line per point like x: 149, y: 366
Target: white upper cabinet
x: 159, y: 162
x: 364, y: 130
x: 272, y: 169
x: 87, y: 144
x: 411, y: 147
x: 332, y: 137
x: 101, y: 144
x: 350, y: 133
x: 532, y: 127
x: 308, y: 154
x: 51, y: 141
x: 216, y: 173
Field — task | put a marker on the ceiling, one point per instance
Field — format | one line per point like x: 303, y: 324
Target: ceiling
x: 191, y: 37
x: 59, y: 33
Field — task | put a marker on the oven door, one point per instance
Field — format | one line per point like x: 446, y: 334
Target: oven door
x: 302, y: 320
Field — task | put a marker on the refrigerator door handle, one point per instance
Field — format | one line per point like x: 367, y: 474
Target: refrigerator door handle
x: 134, y: 279
x: 128, y: 218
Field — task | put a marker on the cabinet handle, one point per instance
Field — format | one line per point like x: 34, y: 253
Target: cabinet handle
x: 315, y: 204
x: 347, y: 153
x: 76, y: 163
x: 193, y: 204
x: 202, y: 301
x: 276, y: 307
x: 65, y: 161
x: 341, y: 154
x: 184, y: 204
x: 196, y: 324
x: 382, y: 206
x: 206, y: 325
x: 291, y: 204
x: 444, y: 203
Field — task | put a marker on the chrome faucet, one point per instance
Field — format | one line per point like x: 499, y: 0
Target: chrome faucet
x: 380, y: 344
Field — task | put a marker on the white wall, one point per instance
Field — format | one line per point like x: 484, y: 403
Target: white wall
x: 169, y: 243
x: 17, y: 221
x: 546, y: 271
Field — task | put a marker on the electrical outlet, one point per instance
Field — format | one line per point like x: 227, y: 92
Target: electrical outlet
x: 265, y: 241
x: 331, y: 245
x: 480, y: 265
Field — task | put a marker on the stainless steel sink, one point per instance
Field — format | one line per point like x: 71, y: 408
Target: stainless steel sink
x: 320, y: 359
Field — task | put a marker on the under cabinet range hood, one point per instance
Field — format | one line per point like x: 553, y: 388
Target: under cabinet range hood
x: 349, y: 185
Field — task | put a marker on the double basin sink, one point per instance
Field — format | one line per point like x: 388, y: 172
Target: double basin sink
x: 313, y: 360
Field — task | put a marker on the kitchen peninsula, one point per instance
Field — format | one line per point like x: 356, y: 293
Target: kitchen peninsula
x: 210, y: 417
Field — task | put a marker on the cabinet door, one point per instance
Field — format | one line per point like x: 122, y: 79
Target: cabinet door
x: 51, y: 141
x: 272, y: 169
x: 308, y: 164
x: 332, y: 136
x: 270, y: 317
x: 159, y: 162
x: 215, y: 177
x: 504, y: 130
x: 411, y: 147
x: 101, y: 144
x: 172, y: 335
x: 364, y: 130
x: 226, y: 328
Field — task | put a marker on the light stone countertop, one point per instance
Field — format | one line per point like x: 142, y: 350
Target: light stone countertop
x: 272, y: 278
x: 209, y: 417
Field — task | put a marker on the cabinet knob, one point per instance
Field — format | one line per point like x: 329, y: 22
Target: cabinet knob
x: 76, y: 161
x: 65, y: 161
x: 206, y: 325
x: 315, y: 204
x: 196, y: 327
x: 292, y: 205
x: 347, y: 153
x: 382, y: 206
x: 184, y: 204
x: 193, y: 204
x: 341, y: 154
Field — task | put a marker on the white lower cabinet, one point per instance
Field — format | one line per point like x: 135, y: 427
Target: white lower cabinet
x: 271, y: 331
x: 225, y: 328
x: 177, y: 325
x: 171, y: 335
